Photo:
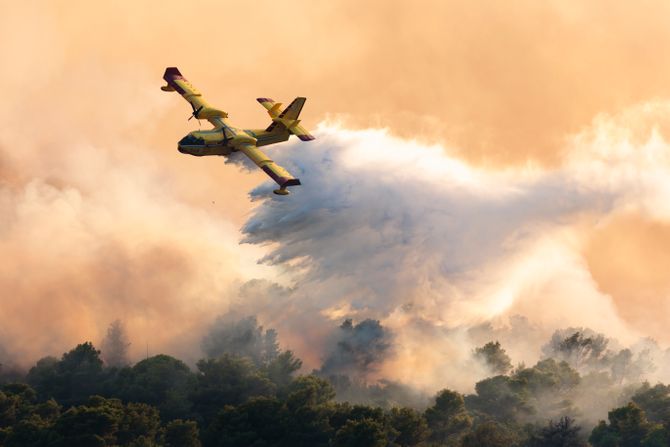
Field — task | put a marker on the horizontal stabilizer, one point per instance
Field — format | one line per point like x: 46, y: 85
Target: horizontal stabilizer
x: 306, y: 137
x: 287, y: 120
x: 271, y: 106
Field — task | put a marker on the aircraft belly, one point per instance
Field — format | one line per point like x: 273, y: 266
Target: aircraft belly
x: 201, y: 151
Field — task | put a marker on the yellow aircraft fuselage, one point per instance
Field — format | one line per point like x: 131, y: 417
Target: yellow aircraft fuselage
x: 224, y: 138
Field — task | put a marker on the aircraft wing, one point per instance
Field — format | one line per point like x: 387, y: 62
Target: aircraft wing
x: 278, y: 174
x: 201, y: 108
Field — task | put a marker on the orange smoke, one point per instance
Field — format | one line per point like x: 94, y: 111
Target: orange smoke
x: 102, y: 219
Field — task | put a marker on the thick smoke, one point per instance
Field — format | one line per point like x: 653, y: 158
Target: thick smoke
x: 100, y: 218
x: 102, y: 237
x: 94, y: 226
x: 432, y: 247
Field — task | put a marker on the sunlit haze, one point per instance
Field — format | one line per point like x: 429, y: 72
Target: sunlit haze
x: 474, y: 162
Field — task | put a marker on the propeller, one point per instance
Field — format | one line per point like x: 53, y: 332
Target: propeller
x: 195, y: 111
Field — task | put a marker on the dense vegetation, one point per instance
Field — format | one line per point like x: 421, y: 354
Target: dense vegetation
x: 246, y: 392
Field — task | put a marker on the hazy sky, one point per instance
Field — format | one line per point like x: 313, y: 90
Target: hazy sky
x: 549, y: 117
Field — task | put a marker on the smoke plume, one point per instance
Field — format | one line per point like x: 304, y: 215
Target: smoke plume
x: 393, y: 230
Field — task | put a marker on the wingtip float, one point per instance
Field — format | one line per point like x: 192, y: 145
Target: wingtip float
x: 224, y: 138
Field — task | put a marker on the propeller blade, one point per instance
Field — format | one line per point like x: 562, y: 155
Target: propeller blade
x: 195, y: 111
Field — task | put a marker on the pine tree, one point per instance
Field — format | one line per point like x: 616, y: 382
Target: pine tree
x: 115, y: 346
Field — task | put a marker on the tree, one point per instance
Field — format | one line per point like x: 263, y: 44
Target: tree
x: 257, y: 422
x: 658, y: 437
x: 8, y: 409
x: 358, y: 349
x: 228, y: 380
x: 243, y: 338
x: 361, y: 433
x: 90, y: 425
x: 24, y: 422
x: 500, y: 398
x: 180, y: 433
x: 270, y: 347
x: 344, y: 411
x: 628, y: 427
x: 310, y: 412
x: 546, y: 375
x: 544, y: 388
x: 280, y: 370
x: 630, y: 423
x: 102, y: 422
x: 139, y: 423
x: 44, y: 376
x: 309, y: 391
x: 582, y: 348
x: 490, y: 434
x: 515, y: 398
x: 563, y: 433
x: 71, y: 380
x: 410, y: 425
x: 115, y: 345
x: 161, y: 381
x: 31, y: 432
x: 495, y: 357
x: 448, y: 419
x: 603, y: 436
x: 654, y: 401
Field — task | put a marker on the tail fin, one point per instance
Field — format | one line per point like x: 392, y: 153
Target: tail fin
x: 288, y: 118
x: 293, y: 109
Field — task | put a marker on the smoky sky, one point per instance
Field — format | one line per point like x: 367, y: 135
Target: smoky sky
x: 522, y: 172
x: 393, y: 230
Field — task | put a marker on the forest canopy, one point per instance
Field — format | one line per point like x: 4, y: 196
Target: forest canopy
x: 247, y: 391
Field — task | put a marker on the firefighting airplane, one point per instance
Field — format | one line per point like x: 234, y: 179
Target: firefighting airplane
x: 224, y: 138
